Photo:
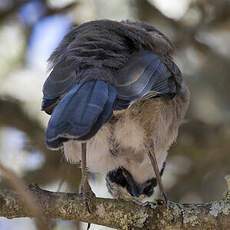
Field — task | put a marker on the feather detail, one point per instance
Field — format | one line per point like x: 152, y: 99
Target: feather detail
x: 81, y: 112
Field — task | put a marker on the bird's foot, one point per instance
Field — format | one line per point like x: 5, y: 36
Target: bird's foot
x: 87, y: 195
x: 155, y: 203
x: 164, y: 201
x: 149, y: 204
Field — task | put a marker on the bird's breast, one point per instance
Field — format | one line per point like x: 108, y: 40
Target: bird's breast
x: 117, y: 144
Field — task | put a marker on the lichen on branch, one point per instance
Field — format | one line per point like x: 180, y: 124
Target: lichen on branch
x: 119, y: 213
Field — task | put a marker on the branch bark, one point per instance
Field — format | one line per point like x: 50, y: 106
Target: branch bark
x: 120, y: 214
x: 26, y: 197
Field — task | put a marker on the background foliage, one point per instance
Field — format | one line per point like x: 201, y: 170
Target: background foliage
x: 200, y: 30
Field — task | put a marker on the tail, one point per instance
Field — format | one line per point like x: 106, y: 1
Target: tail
x: 81, y: 112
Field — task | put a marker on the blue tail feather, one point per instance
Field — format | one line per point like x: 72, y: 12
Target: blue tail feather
x: 81, y: 112
x: 105, y: 115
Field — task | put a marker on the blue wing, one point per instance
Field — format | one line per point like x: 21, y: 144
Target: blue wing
x: 81, y: 112
x: 78, y: 110
x: 144, y: 75
x: 144, y: 72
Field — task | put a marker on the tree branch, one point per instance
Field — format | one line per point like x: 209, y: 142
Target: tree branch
x: 25, y: 196
x: 120, y: 214
x: 4, y: 14
x: 12, y: 9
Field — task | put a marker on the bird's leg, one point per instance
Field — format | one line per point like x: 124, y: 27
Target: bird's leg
x: 153, y: 160
x: 85, y: 189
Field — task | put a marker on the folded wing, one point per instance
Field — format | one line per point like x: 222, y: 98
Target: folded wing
x: 81, y: 112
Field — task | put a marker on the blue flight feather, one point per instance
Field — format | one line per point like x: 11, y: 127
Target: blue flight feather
x: 81, y: 112
x: 105, y: 115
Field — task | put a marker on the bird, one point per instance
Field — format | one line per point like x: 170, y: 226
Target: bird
x: 116, y: 100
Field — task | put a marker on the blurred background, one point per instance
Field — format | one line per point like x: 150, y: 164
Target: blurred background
x: 200, y: 30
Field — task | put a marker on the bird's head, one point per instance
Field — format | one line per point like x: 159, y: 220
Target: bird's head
x: 121, y: 184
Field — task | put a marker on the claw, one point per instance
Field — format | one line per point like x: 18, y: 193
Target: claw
x: 87, y: 195
x: 149, y: 204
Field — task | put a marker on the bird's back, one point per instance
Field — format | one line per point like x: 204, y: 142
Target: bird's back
x: 115, y: 85
x: 96, y: 50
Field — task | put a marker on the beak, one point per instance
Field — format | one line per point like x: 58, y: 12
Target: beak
x: 132, y: 186
x: 134, y: 192
x: 123, y: 178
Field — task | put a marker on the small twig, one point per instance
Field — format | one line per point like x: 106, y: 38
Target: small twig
x: 52, y: 11
x: 227, y: 178
x: 18, y: 185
